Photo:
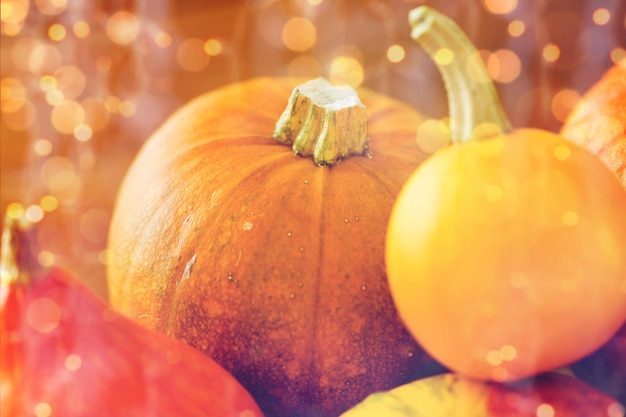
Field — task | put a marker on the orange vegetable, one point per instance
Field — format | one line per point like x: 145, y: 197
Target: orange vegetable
x: 265, y: 261
x: 505, y: 250
x: 598, y: 122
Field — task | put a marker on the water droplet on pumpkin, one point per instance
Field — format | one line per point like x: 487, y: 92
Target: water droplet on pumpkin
x: 300, y: 284
x: 363, y: 287
x: 247, y: 226
x: 301, y: 248
x: 288, y: 234
x: 338, y: 309
x: 230, y: 276
x: 306, y: 181
x: 292, y: 296
x: 356, y: 218
x: 346, y: 220
x: 409, y: 354
x: 43, y: 315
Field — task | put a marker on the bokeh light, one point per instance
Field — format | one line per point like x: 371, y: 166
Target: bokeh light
x: 346, y: 70
x: 395, y: 53
x: 499, y: 6
x: 213, y: 47
x: 163, y: 39
x: 601, y: 16
x: 551, y: 52
x: 57, y: 32
x: 516, y: 28
x: 81, y: 29
x: 299, y: 34
x: 122, y: 27
x: 504, y: 66
x: 191, y: 56
x: 51, y: 7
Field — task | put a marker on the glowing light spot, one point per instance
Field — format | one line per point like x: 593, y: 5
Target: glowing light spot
x: 57, y: 32
x: 494, y: 193
x: 304, y: 66
x: 14, y: 12
x: 299, y: 34
x: 18, y: 113
x: 545, y: 410
x: 67, y: 116
x: 551, y: 52
x: 561, y: 152
x: 518, y: 280
x: 563, y: 103
x: 516, y: 28
x: 34, y: 213
x: 73, y: 362
x: 81, y: 29
x: 601, y: 16
x: 15, y: 210
x: 191, y: 56
x: 618, y: 54
x: 47, y: 82
x: 122, y: 28
x: 432, y: 135
x: 395, y: 53
x: 82, y: 133
x: 48, y: 203
x: 51, y: 7
x: 499, y: 374
x: 443, y: 56
x: 346, y: 70
x: 70, y: 80
x: 44, y: 59
x: 615, y: 410
x: 504, y: 66
x: 42, y: 410
x: 494, y: 358
x: 43, y: 315
x: 247, y: 226
x: 499, y: 6
x: 213, y: 47
x: 508, y: 352
x: 570, y: 218
x: 112, y: 104
x: 163, y: 39
x: 127, y: 108
x: 54, y: 97
x: 45, y: 258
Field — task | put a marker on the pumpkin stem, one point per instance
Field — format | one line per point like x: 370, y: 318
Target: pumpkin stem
x: 475, y: 110
x: 325, y: 121
x: 17, y: 260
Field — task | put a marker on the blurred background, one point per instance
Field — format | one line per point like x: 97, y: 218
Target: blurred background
x: 84, y: 83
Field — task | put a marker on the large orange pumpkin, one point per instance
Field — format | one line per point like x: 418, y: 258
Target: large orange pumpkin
x: 265, y: 261
x: 598, y: 121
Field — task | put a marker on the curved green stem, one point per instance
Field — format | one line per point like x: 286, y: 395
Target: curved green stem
x: 475, y: 110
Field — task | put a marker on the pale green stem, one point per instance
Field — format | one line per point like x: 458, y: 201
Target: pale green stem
x: 475, y: 110
x: 324, y: 121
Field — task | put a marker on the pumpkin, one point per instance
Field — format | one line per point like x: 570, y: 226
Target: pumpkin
x: 510, y: 242
x: 598, y: 121
x: 65, y: 352
x: 452, y: 395
x: 239, y: 232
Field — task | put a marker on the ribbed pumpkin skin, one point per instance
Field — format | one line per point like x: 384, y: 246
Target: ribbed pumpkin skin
x: 266, y: 262
x: 598, y: 121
